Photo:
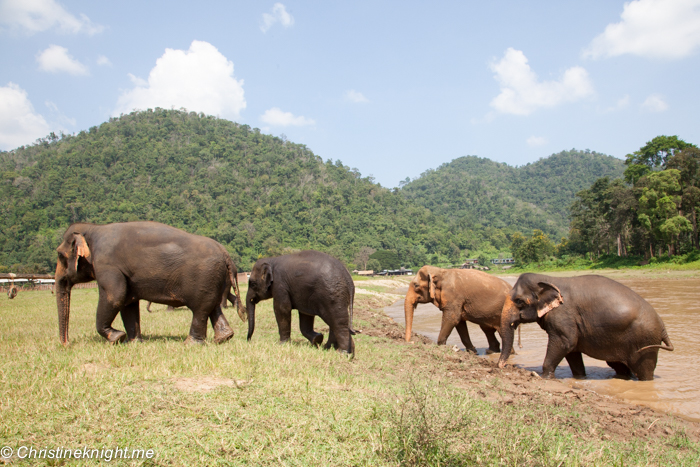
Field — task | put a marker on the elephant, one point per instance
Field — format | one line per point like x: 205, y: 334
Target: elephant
x: 312, y: 282
x: 462, y: 295
x: 150, y: 261
x: 590, y: 315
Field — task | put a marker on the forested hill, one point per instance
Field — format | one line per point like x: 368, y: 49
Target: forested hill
x: 261, y: 195
x: 480, y: 193
x: 254, y: 193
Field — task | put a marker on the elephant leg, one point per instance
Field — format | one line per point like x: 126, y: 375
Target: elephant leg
x: 332, y: 341
x: 306, y: 326
x: 556, y: 351
x: 446, y: 327
x: 198, y: 328
x: 575, y: 359
x: 621, y: 370
x: 222, y: 330
x: 112, y: 290
x: 131, y: 317
x: 494, y: 345
x: 463, y: 332
x: 339, y: 324
x: 283, y: 314
x: 645, y: 365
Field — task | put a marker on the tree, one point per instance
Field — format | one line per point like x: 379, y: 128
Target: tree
x: 374, y: 265
x: 688, y: 162
x: 389, y: 259
x: 363, y: 256
x: 654, y: 154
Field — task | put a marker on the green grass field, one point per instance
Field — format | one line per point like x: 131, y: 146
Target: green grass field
x: 261, y: 403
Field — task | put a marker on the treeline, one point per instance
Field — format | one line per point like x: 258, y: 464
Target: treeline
x: 651, y: 211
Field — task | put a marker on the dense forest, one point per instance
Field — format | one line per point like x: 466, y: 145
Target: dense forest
x: 263, y: 195
x: 653, y: 211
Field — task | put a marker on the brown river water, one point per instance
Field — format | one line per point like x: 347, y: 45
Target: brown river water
x: 676, y: 384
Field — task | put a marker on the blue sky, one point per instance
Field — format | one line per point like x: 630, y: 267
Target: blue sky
x: 392, y: 88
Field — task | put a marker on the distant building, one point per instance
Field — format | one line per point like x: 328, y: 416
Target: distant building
x: 503, y: 261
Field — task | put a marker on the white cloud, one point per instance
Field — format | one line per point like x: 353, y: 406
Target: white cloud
x: 56, y: 59
x: 277, y: 117
x: 651, y: 28
x: 535, y: 141
x: 654, y: 103
x: 355, y: 96
x: 103, y: 61
x: 33, y: 16
x: 19, y: 123
x: 522, y: 93
x: 279, y: 15
x: 621, y: 104
x: 199, y: 79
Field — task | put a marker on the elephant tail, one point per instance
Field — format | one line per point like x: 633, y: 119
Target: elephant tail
x: 352, y: 301
x: 665, y: 339
x: 235, y: 299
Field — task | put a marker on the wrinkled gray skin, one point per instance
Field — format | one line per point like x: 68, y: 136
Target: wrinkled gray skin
x: 315, y: 284
x: 145, y: 261
x: 590, y: 315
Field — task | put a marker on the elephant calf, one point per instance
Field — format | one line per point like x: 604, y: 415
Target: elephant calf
x: 590, y: 315
x: 315, y: 284
x: 462, y: 295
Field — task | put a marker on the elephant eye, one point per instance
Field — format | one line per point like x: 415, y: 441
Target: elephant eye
x: 519, y: 303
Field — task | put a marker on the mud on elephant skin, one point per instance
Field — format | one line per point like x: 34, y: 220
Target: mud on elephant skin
x: 590, y: 315
x: 462, y: 295
x: 315, y: 284
x: 145, y: 261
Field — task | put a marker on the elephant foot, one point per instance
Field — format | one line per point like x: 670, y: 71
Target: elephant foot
x: 317, y: 340
x: 192, y: 341
x: 116, y: 337
x: 489, y: 351
x: 135, y: 340
x: 223, y: 336
x: 349, y: 355
x: 472, y: 350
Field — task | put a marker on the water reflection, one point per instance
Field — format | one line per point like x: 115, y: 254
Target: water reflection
x: 675, y: 386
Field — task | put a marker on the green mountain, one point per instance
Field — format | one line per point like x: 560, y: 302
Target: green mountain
x: 479, y: 193
x: 254, y: 193
x: 261, y: 195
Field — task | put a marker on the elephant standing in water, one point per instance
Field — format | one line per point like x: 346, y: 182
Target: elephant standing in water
x: 315, y: 284
x: 148, y: 261
x: 590, y: 315
x: 462, y: 295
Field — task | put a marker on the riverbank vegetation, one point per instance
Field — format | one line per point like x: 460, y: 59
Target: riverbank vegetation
x: 261, y: 403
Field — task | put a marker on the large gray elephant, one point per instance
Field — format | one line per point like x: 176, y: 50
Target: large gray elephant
x: 590, y: 315
x: 315, y: 284
x: 145, y: 261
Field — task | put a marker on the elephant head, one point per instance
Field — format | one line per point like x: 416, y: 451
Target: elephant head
x: 74, y: 266
x: 424, y: 288
x: 529, y: 301
x: 259, y: 288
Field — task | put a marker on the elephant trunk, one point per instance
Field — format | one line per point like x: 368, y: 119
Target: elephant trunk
x: 250, y: 308
x: 63, y: 291
x: 509, y: 321
x: 409, y: 305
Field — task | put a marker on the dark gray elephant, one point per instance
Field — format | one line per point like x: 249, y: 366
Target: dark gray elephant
x: 315, y: 284
x: 590, y: 315
x: 148, y: 261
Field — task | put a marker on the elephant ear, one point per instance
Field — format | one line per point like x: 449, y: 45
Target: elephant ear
x: 80, y: 249
x: 434, y: 287
x: 266, y: 276
x: 548, y: 298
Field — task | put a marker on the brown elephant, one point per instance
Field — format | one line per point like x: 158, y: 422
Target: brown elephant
x: 462, y: 295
